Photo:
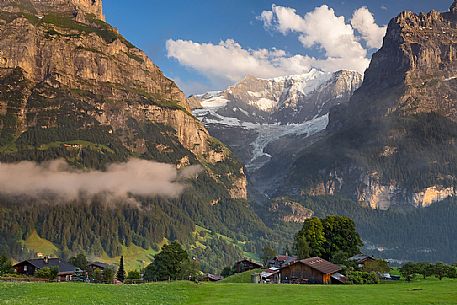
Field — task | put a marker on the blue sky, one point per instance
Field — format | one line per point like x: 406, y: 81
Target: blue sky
x: 196, y: 28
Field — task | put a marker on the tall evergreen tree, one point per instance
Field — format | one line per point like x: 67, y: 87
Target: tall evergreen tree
x: 121, y: 271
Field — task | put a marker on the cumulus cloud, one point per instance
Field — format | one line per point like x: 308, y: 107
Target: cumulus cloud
x: 363, y: 21
x: 340, y: 40
x: 321, y: 28
x: 135, y: 177
x: 227, y: 60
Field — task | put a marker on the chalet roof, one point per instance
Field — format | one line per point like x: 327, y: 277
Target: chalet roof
x: 40, y: 263
x: 318, y: 264
x: 285, y: 258
x: 340, y: 278
x: 214, y: 277
x: 249, y: 262
x: 321, y: 265
x: 99, y: 265
x: 269, y: 272
x: 360, y: 258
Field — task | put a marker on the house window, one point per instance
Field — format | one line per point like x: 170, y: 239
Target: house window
x: 25, y: 268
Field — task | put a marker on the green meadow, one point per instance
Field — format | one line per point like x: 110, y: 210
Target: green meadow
x: 418, y: 292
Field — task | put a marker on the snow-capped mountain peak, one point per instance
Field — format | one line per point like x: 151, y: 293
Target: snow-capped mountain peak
x: 273, y: 108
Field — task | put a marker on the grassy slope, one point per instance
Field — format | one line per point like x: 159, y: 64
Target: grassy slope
x: 420, y: 292
x: 38, y: 244
x: 201, y: 240
x: 240, y: 278
x: 135, y: 257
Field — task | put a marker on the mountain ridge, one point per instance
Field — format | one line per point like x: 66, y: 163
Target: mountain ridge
x: 386, y: 142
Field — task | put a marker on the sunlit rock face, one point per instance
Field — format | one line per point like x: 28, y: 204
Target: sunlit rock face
x: 63, y: 68
x: 394, y: 142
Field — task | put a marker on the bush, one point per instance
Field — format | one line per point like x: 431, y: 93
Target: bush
x: 108, y: 275
x: 5, y: 266
x: 47, y: 273
x: 134, y: 275
x: 362, y: 278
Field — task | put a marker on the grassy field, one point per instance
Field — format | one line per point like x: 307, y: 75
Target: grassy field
x: 418, y: 292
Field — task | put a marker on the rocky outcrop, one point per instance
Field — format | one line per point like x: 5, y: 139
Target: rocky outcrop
x: 43, y: 7
x: 290, y: 211
x: 414, y: 72
x: 433, y: 194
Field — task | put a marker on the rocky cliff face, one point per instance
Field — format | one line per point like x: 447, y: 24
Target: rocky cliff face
x: 414, y: 72
x: 394, y: 142
x: 55, y: 64
x: 43, y: 7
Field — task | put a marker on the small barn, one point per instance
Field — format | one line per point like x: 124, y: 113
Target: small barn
x: 362, y: 259
x: 246, y: 265
x: 29, y: 267
x: 313, y: 270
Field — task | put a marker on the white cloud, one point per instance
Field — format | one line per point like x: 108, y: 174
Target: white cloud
x: 137, y: 177
x: 267, y: 18
x: 227, y: 61
x: 319, y: 28
x: 363, y: 21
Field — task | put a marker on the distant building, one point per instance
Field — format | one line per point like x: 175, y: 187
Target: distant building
x: 313, y: 270
x: 212, y: 278
x: 281, y: 260
x: 270, y: 276
x: 98, y: 266
x: 246, y: 265
x: 362, y: 259
x: 29, y: 267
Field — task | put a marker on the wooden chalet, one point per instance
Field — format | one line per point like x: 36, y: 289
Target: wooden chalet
x: 98, y: 266
x: 362, y: 259
x: 246, y: 265
x: 29, y: 267
x: 314, y: 270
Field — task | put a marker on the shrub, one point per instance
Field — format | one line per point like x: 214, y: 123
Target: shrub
x: 47, y: 273
x: 134, y: 275
x: 362, y: 278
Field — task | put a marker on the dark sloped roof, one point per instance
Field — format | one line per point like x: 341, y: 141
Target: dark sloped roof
x: 340, y: 278
x: 249, y: 262
x: 100, y: 265
x: 285, y: 258
x: 214, y: 277
x: 63, y: 266
x: 321, y: 265
x: 360, y: 258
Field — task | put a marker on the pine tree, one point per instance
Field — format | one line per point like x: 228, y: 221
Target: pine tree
x: 121, y: 272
